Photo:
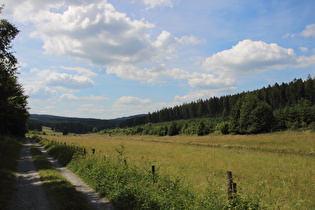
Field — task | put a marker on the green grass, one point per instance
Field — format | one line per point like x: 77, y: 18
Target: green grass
x: 128, y: 186
x: 277, y: 169
x: 63, y: 193
x: 9, y: 154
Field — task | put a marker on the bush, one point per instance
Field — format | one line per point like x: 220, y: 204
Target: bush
x: 312, y: 126
x: 223, y: 128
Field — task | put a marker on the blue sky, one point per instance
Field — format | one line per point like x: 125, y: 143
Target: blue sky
x: 108, y: 59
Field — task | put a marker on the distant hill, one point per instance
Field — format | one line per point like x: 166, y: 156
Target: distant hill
x: 73, y: 124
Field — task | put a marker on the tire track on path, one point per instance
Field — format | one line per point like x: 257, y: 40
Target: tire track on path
x: 29, y: 192
x: 95, y: 200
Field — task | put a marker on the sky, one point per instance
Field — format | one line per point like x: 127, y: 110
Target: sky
x: 107, y: 59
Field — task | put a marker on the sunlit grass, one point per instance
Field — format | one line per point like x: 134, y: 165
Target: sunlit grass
x: 63, y: 193
x: 277, y: 168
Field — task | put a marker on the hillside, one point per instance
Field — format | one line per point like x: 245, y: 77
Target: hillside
x: 73, y: 124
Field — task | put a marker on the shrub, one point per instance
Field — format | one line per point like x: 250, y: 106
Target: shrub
x: 312, y: 126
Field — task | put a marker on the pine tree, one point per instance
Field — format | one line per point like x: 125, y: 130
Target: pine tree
x: 13, y: 102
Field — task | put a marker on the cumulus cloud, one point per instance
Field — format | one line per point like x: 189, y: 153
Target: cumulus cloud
x: 205, y: 81
x: 95, y: 32
x: 36, y: 91
x: 68, y: 81
x: 248, y: 57
x: 309, y: 31
x: 149, y: 75
x: 71, y: 97
x: 160, y: 74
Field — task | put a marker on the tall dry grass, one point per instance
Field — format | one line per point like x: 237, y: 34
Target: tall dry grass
x: 276, y: 168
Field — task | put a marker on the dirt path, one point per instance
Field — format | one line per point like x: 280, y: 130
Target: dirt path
x: 95, y: 200
x: 28, y: 192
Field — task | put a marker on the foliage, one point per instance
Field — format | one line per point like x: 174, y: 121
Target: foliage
x: 251, y: 116
x: 62, y: 152
x: 239, y: 203
x: 34, y: 125
x: 9, y: 153
x: 13, y: 111
x: 292, y: 104
x: 223, y: 127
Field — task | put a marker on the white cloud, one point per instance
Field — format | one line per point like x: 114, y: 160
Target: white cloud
x: 248, y: 57
x: 48, y: 85
x: 80, y: 70
x: 149, y: 75
x: 309, y: 31
x: 304, y: 49
x: 161, y: 73
x: 156, y: 3
x: 206, y: 81
x: 132, y: 100
x: 71, y: 97
x: 36, y: 91
x: 195, y: 95
x: 68, y: 81
x: 95, y: 32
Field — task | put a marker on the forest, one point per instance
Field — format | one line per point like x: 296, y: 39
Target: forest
x: 273, y: 108
x: 72, y: 124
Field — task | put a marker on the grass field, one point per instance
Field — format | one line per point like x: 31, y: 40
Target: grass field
x: 278, y: 169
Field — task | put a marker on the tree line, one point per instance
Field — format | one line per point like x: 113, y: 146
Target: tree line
x: 277, y: 107
x: 13, y: 101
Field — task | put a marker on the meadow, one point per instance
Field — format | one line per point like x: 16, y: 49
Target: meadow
x: 276, y: 169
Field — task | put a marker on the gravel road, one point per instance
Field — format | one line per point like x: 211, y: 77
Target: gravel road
x: 29, y: 193
x: 95, y: 200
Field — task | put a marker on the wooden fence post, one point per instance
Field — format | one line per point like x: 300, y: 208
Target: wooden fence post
x: 231, y: 185
x: 153, y: 170
x: 153, y: 174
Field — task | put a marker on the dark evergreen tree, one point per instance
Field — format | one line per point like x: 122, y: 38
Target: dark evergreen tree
x: 173, y: 129
x: 13, y: 102
x: 65, y: 131
x: 251, y: 116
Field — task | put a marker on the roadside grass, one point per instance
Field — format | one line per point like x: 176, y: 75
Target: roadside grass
x: 9, y: 153
x: 63, y: 194
x: 128, y: 186
x: 276, y: 168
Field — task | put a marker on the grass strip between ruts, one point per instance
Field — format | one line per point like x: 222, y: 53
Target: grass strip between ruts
x: 62, y: 193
